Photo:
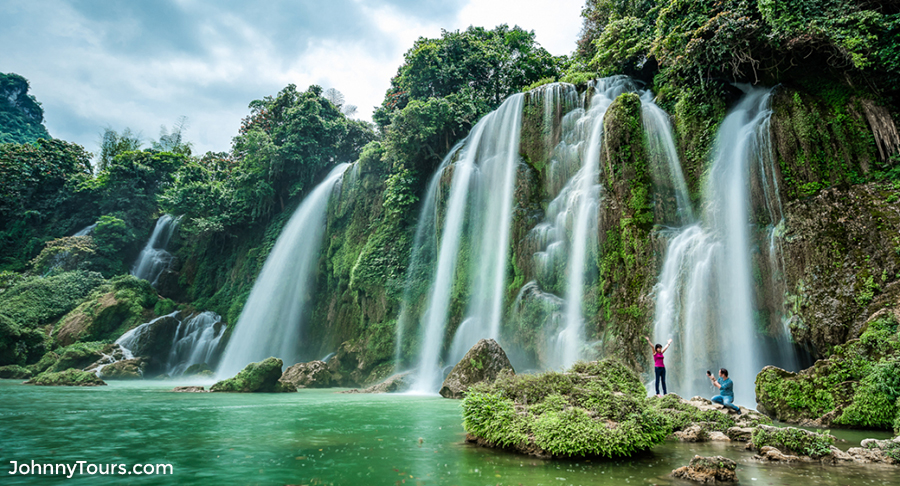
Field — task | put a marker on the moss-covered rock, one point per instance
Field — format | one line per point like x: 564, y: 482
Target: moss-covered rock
x: 856, y: 386
x: 625, y: 258
x: 80, y: 355
x: 69, y: 377
x: 708, y: 470
x: 594, y: 409
x: 796, y: 440
x: 14, y: 372
x: 114, y: 308
x: 481, y: 364
x: 841, y: 262
x: 129, y: 369
x: 256, y: 377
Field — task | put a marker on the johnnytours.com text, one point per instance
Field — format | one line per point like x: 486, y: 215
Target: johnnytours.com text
x: 85, y: 468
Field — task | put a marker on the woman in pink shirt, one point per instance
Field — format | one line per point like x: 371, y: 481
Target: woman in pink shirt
x: 659, y: 365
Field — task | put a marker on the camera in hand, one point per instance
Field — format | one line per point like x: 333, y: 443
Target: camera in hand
x: 708, y: 373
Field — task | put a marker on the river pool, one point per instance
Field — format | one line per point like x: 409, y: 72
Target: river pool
x: 319, y: 437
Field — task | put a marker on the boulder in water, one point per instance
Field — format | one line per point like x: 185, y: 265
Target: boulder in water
x: 396, y: 383
x: 256, y: 377
x: 484, y: 361
x: 189, y: 389
x: 314, y: 374
x: 14, y: 372
x: 716, y: 469
x: 129, y: 369
x: 69, y: 377
x: 199, y: 369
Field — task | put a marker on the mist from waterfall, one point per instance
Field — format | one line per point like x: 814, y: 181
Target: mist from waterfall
x: 154, y: 258
x: 273, y: 317
x: 705, y: 294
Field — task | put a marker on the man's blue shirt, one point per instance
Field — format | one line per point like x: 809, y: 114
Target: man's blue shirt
x: 726, y: 389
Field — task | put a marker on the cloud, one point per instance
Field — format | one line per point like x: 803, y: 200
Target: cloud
x: 144, y: 64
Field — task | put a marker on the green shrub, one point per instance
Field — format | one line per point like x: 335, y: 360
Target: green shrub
x: 874, y: 404
x: 594, y: 409
x: 796, y: 440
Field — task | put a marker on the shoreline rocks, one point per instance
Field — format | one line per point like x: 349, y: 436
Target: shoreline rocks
x: 396, y: 383
x: 482, y: 363
x: 69, y: 377
x: 189, y: 389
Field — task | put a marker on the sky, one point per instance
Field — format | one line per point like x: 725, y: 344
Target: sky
x: 143, y: 64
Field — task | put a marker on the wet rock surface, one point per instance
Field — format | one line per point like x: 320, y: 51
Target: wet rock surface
x: 189, y: 389
x: 708, y: 470
x: 314, y: 374
x: 482, y: 363
x: 396, y: 383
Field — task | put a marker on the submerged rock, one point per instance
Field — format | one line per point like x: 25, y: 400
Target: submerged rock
x: 314, y: 374
x: 189, y: 389
x: 199, y: 369
x: 14, y: 372
x: 484, y: 361
x: 70, y: 377
x: 716, y: 469
x: 396, y: 383
x: 256, y: 377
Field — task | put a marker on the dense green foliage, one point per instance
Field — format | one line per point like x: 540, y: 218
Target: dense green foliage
x: 595, y: 409
x: 21, y: 116
x: 446, y: 85
x: 793, y: 439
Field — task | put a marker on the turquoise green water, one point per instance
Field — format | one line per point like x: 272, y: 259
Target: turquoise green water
x: 316, y: 437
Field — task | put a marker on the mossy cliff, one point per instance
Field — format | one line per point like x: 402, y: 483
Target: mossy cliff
x: 625, y: 258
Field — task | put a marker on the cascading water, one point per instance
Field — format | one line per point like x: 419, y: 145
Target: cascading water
x: 154, y: 258
x: 476, y: 222
x: 569, y: 233
x: 705, y: 294
x: 86, y: 230
x: 195, y: 340
x: 272, y: 319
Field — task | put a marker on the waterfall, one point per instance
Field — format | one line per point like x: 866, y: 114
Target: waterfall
x: 705, y: 294
x: 195, y: 340
x: 86, y: 230
x: 473, y: 240
x: 154, y: 258
x: 272, y: 319
x: 568, y: 236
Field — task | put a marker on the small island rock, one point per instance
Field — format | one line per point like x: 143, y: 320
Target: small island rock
x: 256, y: 377
x: 484, y: 361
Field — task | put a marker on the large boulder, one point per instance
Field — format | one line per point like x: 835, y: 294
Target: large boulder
x: 799, y: 441
x: 482, y: 363
x: 14, y: 372
x: 716, y: 469
x: 256, y: 377
x: 314, y: 374
x: 70, y: 377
